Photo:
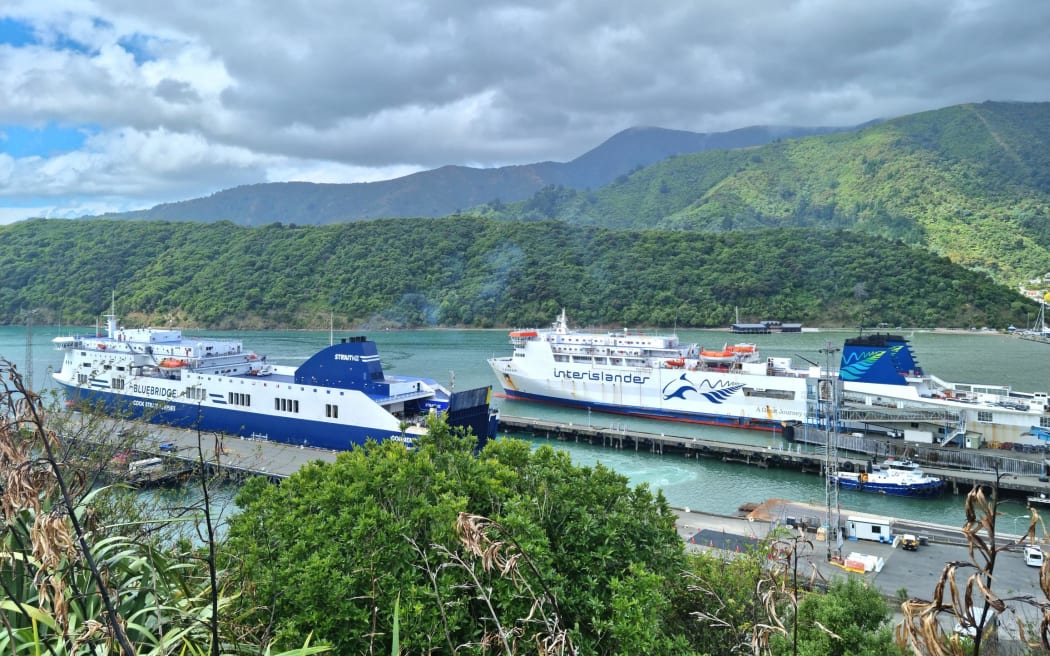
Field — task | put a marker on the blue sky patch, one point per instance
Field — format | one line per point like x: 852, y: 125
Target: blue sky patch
x: 138, y: 46
x: 21, y: 141
x: 19, y: 33
x: 16, y: 33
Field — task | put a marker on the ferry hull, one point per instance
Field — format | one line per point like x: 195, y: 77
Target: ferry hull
x: 710, y: 419
x: 931, y: 489
x: 248, y: 425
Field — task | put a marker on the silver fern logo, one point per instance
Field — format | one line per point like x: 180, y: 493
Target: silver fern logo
x: 715, y: 393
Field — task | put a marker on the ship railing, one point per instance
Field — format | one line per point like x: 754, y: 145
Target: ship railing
x: 406, y: 396
x: 874, y: 415
x: 224, y: 360
x: 929, y: 456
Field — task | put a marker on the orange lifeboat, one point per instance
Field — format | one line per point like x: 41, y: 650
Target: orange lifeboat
x: 725, y: 355
x: 743, y: 348
x: 676, y: 363
x: 524, y: 334
x: 172, y: 363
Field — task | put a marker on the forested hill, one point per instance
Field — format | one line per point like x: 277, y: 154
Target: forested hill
x: 463, y: 271
x: 450, y: 189
x: 970, y: 182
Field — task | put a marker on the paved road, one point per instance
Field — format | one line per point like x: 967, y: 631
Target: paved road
x: 911, y: 574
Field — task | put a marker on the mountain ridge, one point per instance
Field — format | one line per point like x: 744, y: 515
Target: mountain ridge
x: 451, y: 189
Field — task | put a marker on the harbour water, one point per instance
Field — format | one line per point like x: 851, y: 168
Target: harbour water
x: 457, y: 358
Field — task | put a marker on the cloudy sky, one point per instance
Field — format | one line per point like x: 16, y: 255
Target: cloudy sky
x: 112, y: 105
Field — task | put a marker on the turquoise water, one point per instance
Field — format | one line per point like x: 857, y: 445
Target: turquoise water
x: 457, y: 358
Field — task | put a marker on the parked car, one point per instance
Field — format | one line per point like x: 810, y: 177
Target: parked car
x: 168, y: 446
x: 909, y: 542
x: 1033, y: 556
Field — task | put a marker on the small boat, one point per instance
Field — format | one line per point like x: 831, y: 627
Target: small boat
x: 1039, y: 500
x: 895, y: 477
x: 172, y: 363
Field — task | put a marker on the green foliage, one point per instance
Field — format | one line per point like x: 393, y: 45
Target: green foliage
x: 721, y: 606
x: 970, y: 182
x: 345, y: 541
x: 850, y: 619
x: 72, y: 586
x: 476, y: 272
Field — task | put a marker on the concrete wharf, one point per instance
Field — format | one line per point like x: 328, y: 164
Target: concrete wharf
x: 1020, y: 475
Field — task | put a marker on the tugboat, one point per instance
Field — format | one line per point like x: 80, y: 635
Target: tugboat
x: 896, y: 477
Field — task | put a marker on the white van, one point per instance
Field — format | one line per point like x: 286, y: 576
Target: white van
x: 1033, y: 556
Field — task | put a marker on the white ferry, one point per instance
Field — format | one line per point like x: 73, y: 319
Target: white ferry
x: 335, y: 400
x: 879, y: 387
x: 655, y: 376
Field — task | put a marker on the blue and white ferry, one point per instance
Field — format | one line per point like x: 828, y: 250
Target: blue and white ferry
x: 335, y: 400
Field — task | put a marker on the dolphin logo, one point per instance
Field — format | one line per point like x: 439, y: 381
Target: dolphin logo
x: 716, y: 393
x: 679, y: 392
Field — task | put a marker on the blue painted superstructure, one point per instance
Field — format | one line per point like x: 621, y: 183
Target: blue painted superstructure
x: 879, y: 359
x: 340, y: 397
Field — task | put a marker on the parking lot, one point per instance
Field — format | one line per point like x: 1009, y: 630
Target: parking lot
x: 903, y: 574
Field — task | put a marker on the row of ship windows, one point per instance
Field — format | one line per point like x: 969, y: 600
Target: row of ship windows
x: 637, y: 361
x: 292, y: 405
x: 232, y: 398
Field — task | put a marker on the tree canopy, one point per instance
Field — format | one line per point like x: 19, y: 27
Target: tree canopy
x: 468, y: 271
x: 382, y: 525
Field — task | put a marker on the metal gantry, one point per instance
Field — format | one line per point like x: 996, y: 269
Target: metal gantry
x: 828, y: 404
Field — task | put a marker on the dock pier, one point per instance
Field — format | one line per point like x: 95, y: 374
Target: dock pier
x: 961, y: 469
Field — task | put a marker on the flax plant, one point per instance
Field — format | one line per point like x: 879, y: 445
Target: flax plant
x: 968, y: 601
x: 71, y: 586
x: 490, y: 546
